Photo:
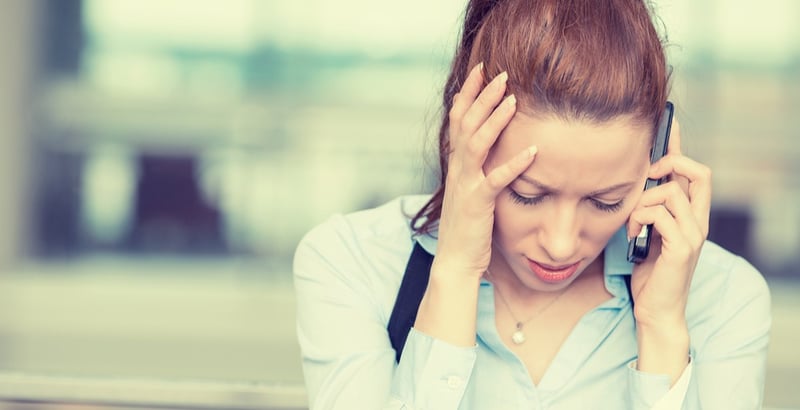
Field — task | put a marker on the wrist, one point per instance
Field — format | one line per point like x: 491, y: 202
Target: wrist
x: 674, y: 337
x: 448, y: 310
x: 660, y: 318
x: 452, y: 273
x: 663, y: 348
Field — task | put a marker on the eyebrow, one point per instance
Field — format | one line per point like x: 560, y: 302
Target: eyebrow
x: 544, y: 187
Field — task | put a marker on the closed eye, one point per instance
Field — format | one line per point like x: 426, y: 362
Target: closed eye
x: 537, y: 199
x: 526, y: 200
x: 605, y: 206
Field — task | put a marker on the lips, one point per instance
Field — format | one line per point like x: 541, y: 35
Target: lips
x: 553, y: 274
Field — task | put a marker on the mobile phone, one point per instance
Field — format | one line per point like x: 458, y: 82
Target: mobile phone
x: 639, y: 246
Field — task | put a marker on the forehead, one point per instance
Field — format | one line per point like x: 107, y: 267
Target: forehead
x: 578, y: 153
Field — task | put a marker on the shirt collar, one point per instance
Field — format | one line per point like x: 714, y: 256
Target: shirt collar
x: 428, y: 241
x: 616, y: 254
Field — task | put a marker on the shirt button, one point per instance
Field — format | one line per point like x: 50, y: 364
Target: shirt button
x: 454, y: 382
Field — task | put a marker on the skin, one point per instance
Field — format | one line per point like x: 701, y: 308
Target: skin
x: 564, y: 208
x: 482, y: 228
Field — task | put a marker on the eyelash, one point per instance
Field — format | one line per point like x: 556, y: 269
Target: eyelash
x: 524, y: 200
x: 610, y: 208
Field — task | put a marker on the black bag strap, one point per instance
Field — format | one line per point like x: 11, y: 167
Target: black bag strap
x: 404, y: 313
x: 627, y: 279
x: 412, y: 289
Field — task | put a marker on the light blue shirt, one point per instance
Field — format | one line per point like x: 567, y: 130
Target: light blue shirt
x: 347, y: 273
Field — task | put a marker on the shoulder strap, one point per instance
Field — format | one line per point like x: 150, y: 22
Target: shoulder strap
x: 627, y: 279
x: 404, y: 313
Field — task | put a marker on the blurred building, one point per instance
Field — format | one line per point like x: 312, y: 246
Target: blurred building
x: 198, y: 131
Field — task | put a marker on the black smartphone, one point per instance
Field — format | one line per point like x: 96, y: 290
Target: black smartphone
x: 639, y: 246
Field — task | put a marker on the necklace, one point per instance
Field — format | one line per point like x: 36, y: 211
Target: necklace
x: 518, y: 337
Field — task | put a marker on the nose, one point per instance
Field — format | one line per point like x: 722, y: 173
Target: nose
x: 560, y: 234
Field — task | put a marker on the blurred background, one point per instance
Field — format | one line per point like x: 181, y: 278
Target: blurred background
x: 160, y: 160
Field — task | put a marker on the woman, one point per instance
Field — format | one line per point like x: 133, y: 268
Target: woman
x: 551, y: 110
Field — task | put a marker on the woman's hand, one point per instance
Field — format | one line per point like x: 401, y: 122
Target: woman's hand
x: 465, y: 228
x: 679, y: 211
x: 448, y: 310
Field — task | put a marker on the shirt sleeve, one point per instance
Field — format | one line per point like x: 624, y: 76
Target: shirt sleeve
x: 728, y: 366
x: 348, y: 360
x: 432, y: 374
x: 653, y: 392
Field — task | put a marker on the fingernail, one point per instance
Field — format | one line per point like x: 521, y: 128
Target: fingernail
x: 503, y: 77
x: 525, y: 156
x: 511, y: 100
x: 654, y: 168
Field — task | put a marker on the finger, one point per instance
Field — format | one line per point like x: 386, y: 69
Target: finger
x: 682, y: 181
x: 462, y: 130
x: 672, y: 239
x: 463, y: 100
x: 469, y: 90
x: 672, y: 197
x: 504, y: 174
x: 699, y: 182
x: 479, y: 144
x: 681, y: 166
x: 674, y: 146
x: 484, y: 104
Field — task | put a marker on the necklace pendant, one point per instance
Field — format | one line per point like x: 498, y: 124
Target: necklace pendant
x: 518, y: 337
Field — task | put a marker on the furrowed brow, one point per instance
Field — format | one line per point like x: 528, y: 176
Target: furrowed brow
x: 544, y: 187
x: 613, y: 188
x: 531, y: 181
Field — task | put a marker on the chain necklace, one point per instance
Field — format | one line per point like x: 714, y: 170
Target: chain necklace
x: 518, y: 337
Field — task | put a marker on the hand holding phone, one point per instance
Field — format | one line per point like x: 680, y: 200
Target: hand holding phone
x: 639, y: 246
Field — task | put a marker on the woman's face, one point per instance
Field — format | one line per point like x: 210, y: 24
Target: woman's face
x: 553, y: 221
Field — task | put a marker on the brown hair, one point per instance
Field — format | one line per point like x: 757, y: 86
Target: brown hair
x: 589, y: 60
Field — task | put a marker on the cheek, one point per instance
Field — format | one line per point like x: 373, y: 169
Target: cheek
x: 603, y: 227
